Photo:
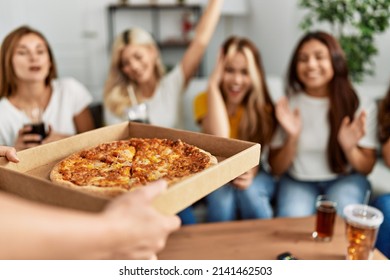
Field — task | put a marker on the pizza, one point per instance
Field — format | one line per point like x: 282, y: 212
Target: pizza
x: 110, y: 169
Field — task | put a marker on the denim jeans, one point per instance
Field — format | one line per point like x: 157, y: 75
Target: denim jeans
x: 229, y: 203
x: 187, y: 216
x: 297, y: 198
x: 383, y: 241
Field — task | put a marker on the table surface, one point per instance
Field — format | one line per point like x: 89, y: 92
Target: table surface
x: 256, y: 239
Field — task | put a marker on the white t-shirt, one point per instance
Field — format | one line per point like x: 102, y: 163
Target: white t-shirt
x: 163, y: 107
x: 310, y: 162
x: 69, y: 98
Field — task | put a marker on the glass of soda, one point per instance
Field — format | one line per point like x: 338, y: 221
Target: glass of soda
x: 362, y: 225
x: 325, y: 220
x: 34, y: 114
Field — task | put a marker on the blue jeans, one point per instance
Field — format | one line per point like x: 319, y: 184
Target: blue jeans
x: 229, y: 203
x: 297, y: 198
x: 383, y: 241
x: 187, y: 216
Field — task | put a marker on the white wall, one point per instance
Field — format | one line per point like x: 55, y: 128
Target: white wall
x: 274, y: 27
x: 77, y: 31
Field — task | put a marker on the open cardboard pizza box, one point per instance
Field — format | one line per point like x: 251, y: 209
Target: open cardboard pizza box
x: 30, y: 177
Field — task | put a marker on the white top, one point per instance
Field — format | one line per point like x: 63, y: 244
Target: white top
x: 163, y: 106
x: 69, y: 98
x: 310, y: 162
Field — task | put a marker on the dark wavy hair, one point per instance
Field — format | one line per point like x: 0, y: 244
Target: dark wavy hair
x: 384, y: 118
x: 343, y: 98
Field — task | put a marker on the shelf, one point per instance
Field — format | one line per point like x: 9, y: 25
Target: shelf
x: 150, y: 6
x: 155, y: 9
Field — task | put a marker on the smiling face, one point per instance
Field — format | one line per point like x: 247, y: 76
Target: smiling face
x: 31, y: 59
x: 314, y: 67
x: 236, y: 81
x: 138, y: 63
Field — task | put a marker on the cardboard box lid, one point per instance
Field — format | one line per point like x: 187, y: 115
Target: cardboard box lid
x: 235, y: 157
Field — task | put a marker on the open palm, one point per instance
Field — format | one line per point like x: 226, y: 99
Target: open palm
x: 351, y: 132
x: 289, y: 120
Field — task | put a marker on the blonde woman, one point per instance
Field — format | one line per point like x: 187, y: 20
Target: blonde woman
x: 238, y: 105
x: 137, y: 74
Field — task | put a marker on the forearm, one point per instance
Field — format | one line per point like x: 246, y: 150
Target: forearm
x: 216, y: 122
x: 208, y: 22
x: 84, y: 121
x: 203, y: 34
x: 281, y: 159
x: 48, y: 232
x: 386, y: 152
x: 362, y: 160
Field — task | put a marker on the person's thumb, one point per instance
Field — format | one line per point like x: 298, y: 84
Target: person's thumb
x: 151, y: 190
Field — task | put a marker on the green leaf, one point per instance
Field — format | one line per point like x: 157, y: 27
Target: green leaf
x: 357, y: 21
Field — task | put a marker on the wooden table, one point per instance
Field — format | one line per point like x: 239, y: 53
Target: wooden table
x: 256, y: 239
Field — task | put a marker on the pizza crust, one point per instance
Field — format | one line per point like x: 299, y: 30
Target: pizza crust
x: 213, y: 159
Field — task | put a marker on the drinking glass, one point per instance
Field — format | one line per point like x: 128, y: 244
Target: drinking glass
x: 362, y: 225
x: 34, y: 113
x: 326, y: 216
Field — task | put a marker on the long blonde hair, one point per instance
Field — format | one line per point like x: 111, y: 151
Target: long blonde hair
x: 116, y: 97
x: 258, y: 122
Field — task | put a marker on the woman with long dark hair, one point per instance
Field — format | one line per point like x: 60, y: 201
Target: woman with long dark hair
x: 327, y: 142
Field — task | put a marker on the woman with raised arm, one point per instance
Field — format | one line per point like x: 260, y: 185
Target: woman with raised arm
x: 137, y: 74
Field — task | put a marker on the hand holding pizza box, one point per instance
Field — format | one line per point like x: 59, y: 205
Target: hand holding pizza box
x: 234, y: 158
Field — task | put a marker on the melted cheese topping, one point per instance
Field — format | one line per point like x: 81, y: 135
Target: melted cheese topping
x: 133, y: 162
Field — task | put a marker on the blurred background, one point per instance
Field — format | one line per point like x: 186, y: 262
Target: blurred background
x: 79, y: 33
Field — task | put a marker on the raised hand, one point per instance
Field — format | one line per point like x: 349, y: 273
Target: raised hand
x: 351, y: 132
x: 289, y: 120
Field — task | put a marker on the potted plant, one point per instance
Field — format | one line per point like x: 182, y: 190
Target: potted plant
x: 355, y: 23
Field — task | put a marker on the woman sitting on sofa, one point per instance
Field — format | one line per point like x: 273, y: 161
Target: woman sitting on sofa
x: 29, y: 83
x: 237, y: 105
